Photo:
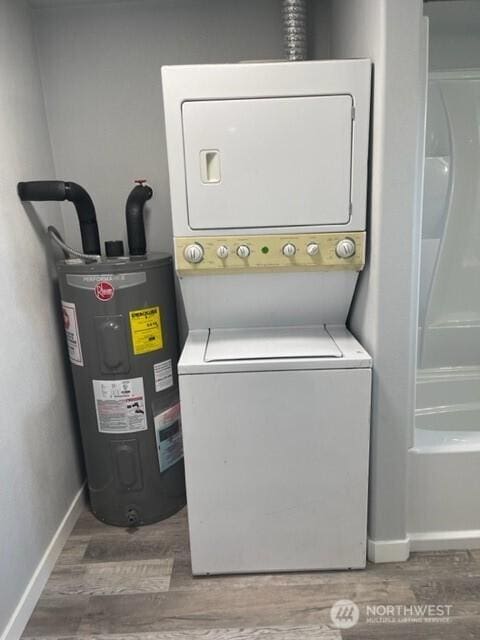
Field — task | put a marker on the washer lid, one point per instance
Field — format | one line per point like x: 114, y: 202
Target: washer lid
x: 270, y: 343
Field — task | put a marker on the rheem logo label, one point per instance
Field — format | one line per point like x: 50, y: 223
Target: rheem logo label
x: 104, y: 291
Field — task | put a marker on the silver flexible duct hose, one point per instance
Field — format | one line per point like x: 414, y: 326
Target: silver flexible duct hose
x: 57, y: 238
x: 294, y: 15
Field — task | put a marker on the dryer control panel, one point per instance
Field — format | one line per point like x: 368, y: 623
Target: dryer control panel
x: 250, y: 253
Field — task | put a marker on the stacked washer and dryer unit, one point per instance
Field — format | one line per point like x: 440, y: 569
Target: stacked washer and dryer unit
x: 268, y: 179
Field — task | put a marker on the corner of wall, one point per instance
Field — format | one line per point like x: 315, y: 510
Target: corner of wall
x: 26, y: 604
x: 41, y: 468
x: 384, y: 314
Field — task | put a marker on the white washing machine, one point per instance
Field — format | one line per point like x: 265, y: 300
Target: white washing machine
x: 268, y: 178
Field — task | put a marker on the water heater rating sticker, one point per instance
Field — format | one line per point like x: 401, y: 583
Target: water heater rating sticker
x: 120, y: 405
x: 168, y: 432
x: 163, y: 375
x: 71, y: 332
x: 146, y: 328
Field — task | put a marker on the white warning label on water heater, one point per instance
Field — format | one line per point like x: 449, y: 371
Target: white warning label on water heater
x: 71, y: 332
x: 162, y: 372
x: 120, y: 405
x: 168, y: 432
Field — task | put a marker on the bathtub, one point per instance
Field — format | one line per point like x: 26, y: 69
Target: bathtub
x: 447, y: 416
x: 444, y: 462
x: 446, y: 440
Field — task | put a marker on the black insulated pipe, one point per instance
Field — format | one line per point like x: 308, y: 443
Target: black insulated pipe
x: 58, y: 191
x: 137, y: 244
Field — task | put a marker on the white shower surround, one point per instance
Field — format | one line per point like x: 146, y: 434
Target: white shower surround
x: 444, y: 463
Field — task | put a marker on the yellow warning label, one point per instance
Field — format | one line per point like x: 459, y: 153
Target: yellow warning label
x: 146, y: 328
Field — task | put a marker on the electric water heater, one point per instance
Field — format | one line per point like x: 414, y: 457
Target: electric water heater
x: 120, y: 326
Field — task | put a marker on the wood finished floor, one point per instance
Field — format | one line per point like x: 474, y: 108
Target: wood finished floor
x: 117, y: 584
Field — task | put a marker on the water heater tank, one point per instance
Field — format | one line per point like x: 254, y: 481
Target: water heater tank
x: 120, y: 325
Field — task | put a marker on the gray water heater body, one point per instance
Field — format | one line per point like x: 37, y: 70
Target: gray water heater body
x: 120, y: 325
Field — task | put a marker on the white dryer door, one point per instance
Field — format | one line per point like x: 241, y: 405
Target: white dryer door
x: 270, y: 162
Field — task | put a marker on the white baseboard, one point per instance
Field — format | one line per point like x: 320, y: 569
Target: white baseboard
x: 445, y: 540
x: 26, y: 605
x: 388, y: 550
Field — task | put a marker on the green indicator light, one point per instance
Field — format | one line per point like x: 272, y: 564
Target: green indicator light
x: 265, y: 249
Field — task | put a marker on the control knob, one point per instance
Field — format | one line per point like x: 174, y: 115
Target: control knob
x: 193, y: 253
x: 345, y: 248
x: 243, y: 251
x: 222, y: 251
x: 289, y: 250
x: 312, y: 249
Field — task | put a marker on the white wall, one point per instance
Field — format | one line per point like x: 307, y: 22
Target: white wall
x: 384, y: 316
x: 101, y: 74
x: 39, y: 470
